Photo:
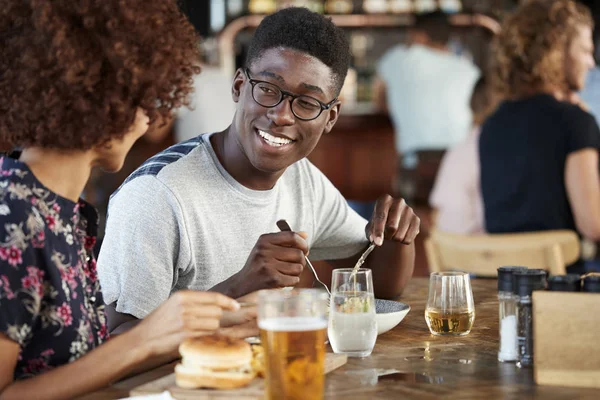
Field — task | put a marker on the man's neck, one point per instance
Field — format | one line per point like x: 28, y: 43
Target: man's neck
x: 63, y: 172
x: 431, y: 45
x: 237, y: 164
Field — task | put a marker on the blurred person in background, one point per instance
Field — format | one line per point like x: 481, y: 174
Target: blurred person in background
x: 456, y: 195
x: 538, y: 150
x: 211, y: 107
x: 79, y: 83
x: 426, y: 90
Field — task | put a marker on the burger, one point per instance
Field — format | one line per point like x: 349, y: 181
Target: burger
x: 214, y: 361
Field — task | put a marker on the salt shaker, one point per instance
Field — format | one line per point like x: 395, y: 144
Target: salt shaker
x: 525, y: 283
x: 507, y: 302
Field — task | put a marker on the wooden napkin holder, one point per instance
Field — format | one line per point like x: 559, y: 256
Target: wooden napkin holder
x: 565, y: 333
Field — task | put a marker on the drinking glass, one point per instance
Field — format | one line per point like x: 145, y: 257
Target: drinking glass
x: 352, y: 325
x: 450, y: 309
x: 293, y: 325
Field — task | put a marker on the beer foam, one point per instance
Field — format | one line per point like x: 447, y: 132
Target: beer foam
x: 292, y: 324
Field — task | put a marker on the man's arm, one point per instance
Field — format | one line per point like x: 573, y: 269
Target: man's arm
x: 393, y: 228
x: 392, y: 264
x: 583, y: 189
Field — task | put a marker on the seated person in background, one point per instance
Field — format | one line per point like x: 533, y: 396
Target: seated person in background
x: 456, y: 195
x: 200, y: 214
x: 539, y: 153
x: 78, y: 86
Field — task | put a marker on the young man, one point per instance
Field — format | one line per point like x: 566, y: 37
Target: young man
x: 538, y: 150
x: 201, y: 214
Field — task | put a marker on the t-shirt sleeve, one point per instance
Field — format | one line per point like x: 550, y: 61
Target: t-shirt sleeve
x: 144, y: 247
x: 340, y: 231
x: 21, y: 286
x: 582, y: 130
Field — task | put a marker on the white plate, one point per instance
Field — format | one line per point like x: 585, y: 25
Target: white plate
x: 389, y: 314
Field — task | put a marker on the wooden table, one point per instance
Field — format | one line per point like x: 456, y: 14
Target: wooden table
x: 431, y: 366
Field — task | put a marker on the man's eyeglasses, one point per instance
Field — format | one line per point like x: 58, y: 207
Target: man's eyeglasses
x: 269, y: 95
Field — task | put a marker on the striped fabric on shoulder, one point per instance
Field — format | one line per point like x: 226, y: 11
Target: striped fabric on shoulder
x: 156, y: 163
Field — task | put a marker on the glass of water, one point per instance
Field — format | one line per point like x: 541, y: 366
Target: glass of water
x: 352, y: 326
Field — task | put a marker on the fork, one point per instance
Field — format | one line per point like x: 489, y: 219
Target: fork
x: 285, y: 227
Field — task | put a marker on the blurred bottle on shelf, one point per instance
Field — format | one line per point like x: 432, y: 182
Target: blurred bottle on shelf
x: 339, y: 6
x: 262, y: 6
x: 313, y: 5
x: 235, y: 8
x: 450, y: 6
x: 401, y: 6
x: 425, y: 6
x: 375, y: 6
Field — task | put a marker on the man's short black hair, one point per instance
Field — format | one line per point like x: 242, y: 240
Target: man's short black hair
x: 436, y: 25
x: 303, y: 30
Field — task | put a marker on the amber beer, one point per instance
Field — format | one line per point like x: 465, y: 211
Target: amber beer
x: 294, y: 357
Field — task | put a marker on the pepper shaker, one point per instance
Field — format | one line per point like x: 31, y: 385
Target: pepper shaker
x: 525, y: 283
x: 591, y: 283
x: 565, y: 283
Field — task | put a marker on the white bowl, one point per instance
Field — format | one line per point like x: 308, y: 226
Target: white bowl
x: 389, y: 314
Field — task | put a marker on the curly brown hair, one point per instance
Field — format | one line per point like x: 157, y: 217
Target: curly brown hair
x: 73, y: 73
x: 529, y: 52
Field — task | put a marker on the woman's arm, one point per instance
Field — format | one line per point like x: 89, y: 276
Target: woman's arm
x: 98, y: 368
x: 186, y: 314
x: 582, y: 181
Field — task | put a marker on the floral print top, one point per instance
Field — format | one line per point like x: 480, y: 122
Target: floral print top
x: 50, y: 299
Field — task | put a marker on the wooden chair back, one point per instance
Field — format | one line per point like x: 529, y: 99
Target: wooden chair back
x: 483, y: 254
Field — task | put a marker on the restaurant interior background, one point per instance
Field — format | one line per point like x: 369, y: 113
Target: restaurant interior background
x: 358, y: 156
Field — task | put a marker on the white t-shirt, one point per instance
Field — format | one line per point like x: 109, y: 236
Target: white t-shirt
x: 428, y: 96
x: 211, y: 108
x: 180, y: 221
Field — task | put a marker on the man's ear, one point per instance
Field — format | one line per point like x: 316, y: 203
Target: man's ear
x: 333, y: 114
x: 238, y: 80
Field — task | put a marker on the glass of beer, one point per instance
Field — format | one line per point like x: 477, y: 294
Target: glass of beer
x: 293, y: 331
x: 450, y: 310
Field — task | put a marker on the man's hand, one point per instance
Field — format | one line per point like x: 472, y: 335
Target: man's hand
x: 276, y: 261
x: 394, y: 220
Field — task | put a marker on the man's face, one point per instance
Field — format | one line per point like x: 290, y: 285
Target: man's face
x: 274, y: 138
x: 580, y: 58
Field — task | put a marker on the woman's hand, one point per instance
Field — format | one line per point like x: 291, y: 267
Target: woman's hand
x: 241, y: 323
x: 186, y: 314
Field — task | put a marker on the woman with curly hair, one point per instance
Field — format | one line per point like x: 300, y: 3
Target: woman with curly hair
x: 79, y: 84
x: 539, y: 150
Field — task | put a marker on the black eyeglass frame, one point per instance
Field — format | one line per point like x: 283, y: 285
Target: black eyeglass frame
x: 292, y: 97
